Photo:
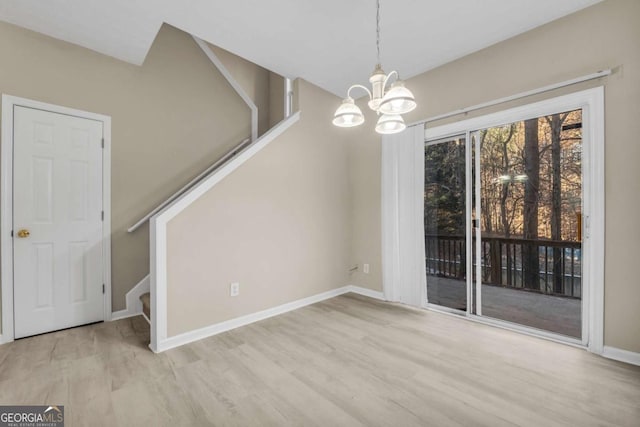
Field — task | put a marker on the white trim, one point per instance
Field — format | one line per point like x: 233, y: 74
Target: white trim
x: 288, y: 96
x: 367, y: 292
x: 123, y: 314
x: 477, y: 274
x: 514, y: 327
x: 194, y: 194
x: 217, y: 328
x: 254, y: 131
x: 146, y: 318
x: 134, y: 305
x: 106, y: 206
x: 233, y: 152
x: 158, y: 229
x: 621, y: 355
x: 544, y: 89
x: 468, y: 182
x: 237, y: 322
x: 6, y: 221
x: 591, y: 101
x: 6, y: 202
x: 534, y: 332
x: 445, y: 309
x: 234, y: 84
x: 158, y: 277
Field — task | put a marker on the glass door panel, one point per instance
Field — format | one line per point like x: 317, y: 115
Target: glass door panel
x: 528, y: 199
x: 445, y: 222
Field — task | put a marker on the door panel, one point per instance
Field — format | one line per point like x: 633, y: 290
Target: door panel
x: 529, y: 202
x: 445, y: 199
x: 58, y: 200
x: 524, y: 249
x: 42, y: 190
x: 43, y: 272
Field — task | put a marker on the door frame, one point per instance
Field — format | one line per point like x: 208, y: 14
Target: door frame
x: 591, y: 101
x: 6, y: 199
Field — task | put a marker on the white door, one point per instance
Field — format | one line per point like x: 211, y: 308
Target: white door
x: 57, y: 221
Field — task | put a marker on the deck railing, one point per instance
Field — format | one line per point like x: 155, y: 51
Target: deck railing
x: 509, y: 262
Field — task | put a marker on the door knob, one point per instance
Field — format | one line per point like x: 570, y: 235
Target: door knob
x: 23, y: 233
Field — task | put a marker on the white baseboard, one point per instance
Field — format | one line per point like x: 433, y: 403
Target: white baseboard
x: 134, y: 305
x: 121, y: 314
x: 621, y: 355
x: 227, y: 325
x: 367, y: 292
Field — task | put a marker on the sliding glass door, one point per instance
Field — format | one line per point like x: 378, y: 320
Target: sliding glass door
x: 529, y: 200
x: 515, y: 254
x: 445, y: 221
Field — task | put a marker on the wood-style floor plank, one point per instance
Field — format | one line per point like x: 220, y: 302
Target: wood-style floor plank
x: 348, y: 361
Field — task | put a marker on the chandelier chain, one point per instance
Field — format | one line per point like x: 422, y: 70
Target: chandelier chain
x: 388, y: 104
x: 378, y: 28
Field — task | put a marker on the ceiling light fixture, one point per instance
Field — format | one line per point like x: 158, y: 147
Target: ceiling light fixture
x: 389, y: 105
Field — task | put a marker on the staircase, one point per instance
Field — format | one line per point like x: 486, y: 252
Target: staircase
x: 145, y: 298
x: 158, y: 217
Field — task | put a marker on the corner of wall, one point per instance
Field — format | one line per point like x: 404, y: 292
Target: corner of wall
x: 276, y: 98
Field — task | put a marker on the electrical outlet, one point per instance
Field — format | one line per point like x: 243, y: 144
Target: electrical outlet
x: 365, y: 268
x: 234, y: 289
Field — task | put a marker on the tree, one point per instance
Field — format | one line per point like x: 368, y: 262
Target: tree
x: 530, y: 192
x: 500, y: 152
x: 531, y: 260
x: 444, y: 205
x: 506, y: 169
x: 555, y: 123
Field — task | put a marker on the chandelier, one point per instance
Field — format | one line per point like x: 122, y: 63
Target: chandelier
x: 389, y: 104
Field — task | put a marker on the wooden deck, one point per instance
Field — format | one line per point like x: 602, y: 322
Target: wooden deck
x: 548, y: 312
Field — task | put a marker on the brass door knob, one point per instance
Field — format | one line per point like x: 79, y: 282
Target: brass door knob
x: 23, y: 233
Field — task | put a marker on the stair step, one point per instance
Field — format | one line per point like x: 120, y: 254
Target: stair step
x: 146, y: 305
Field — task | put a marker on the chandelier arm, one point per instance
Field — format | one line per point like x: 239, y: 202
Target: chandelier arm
x: 361, y: 87
x: 386, y: 79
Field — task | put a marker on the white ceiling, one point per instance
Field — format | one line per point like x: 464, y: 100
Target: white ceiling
x: 330, y: 43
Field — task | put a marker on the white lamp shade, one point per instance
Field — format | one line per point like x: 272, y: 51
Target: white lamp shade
x: 348, y: 114
x: 398, y: 100
x: 390, y: 123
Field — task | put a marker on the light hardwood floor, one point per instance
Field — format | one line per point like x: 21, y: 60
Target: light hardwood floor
x: 347, y: 361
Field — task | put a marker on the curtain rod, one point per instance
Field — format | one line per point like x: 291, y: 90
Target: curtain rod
x: 543, y: 89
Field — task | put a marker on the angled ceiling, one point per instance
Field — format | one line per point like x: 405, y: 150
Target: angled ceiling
x: 330, y: 43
